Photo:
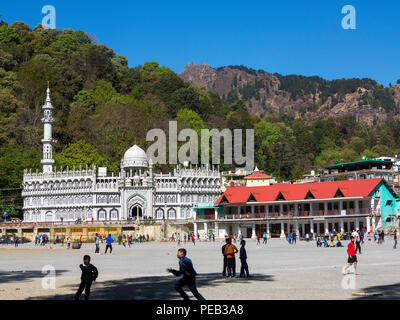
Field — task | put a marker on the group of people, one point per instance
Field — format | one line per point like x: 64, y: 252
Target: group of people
x: 229, y: 261
x: 176, y: 237
x: 291, y: 238
x: 331, y: 244
x: 380, y: 236
x: 41, y: 239
x: 264, y: 236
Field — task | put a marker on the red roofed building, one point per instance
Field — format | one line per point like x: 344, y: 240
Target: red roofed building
x: 313, y: 208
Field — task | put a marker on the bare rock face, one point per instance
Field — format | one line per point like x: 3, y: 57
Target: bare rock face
x: 261, y: 93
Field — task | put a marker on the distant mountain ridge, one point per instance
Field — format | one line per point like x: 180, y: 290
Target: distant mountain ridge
x: 307, y: 98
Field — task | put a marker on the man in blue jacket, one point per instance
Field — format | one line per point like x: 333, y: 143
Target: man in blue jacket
x: 109, y: 240
x: 189, y: 276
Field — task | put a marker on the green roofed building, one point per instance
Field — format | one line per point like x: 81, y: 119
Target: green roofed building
x: 357, y: 170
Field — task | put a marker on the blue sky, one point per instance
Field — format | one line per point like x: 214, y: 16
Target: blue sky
x: 285, y: 36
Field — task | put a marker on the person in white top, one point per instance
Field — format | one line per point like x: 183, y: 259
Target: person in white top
x: 355, y: 235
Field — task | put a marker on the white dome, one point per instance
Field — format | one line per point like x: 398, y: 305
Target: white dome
x: 135, y: 157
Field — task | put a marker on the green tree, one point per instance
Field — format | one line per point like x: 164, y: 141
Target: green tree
x: 82, y: 153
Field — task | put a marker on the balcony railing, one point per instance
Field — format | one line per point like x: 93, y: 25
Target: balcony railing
x: 286, y: 215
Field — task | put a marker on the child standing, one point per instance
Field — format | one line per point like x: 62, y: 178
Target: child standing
x: 189, y: 276
x: 230, y: 251
x: 89, y: 274
x: 352, y: 259
x: 244, y: 269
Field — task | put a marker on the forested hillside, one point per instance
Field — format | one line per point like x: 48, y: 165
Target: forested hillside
x: 102, y: 107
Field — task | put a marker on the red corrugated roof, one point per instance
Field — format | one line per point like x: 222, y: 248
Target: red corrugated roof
x: 292, y: 192
x: 257, y: 175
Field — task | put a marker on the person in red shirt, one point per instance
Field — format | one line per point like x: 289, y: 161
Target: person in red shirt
x: 352, y: 259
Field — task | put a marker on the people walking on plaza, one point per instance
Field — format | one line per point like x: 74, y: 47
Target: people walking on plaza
x: 189, y: 276
x: 178, y: 238
x: 264, y: 238
x: 352, y: 257
x: 193, y: 239
x: 89, y: 275
x: 395, y: 239
x: 230, y: 251
x: 124, y: 241
x: 97, y: 243
x: 383, y: 236
x: 258, y: 238
x: 109, y: 241
x: 68, y: 243
x: 379, y: 237
x: 184, y: 239
x: 358, y: 242
x: 244, y: 268
x: 225, y: 262
x: 294, y: 237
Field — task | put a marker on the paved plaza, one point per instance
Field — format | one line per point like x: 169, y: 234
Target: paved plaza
x: 279, y: 271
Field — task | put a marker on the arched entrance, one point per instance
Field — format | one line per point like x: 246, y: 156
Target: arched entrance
x: 136, y: 212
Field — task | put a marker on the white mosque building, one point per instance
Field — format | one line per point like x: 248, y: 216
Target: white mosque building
x: 135, y: 193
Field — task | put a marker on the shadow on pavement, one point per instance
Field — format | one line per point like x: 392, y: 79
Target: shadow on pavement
x: 18, y: 276
x: 384, y: 292
x: 149, y: 288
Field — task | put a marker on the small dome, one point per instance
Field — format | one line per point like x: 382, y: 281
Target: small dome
x: 135, y: 157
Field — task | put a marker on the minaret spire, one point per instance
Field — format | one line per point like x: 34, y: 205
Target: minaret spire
x: 47, y: 141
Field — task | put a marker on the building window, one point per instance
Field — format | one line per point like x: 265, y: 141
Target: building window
x: 160, y: 213
x: 101, y: 214
x: 114, y: 214
x: 171, y: 213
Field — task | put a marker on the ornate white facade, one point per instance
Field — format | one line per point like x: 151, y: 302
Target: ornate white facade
x: 135, y: 193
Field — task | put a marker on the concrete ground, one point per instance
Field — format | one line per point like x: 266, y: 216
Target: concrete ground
x: 279, y: 271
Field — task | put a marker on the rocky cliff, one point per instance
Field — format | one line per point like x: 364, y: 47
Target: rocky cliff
x: 308, y: 98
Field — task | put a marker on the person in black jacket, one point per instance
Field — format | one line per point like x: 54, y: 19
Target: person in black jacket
x: 89, y: 274
x: 225, y: 259
x: 243, y: 260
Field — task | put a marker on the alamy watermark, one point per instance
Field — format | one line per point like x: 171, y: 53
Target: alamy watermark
x: 49, y: 280
x: 189, y: 151
x: 49, y: 20
x: 349, y: 20
x: 349, y: 279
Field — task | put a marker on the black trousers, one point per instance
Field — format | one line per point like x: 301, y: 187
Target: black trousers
x: 191, y: 283
x: 85, y: 285
x: 225, y: 266
x: 244, y: 269
x: 358, y: 246
x: 97, y: 248
x: 231, y: 266
x: 108, y: 246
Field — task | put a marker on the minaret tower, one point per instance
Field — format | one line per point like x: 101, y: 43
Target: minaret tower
x: 47, y: 140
